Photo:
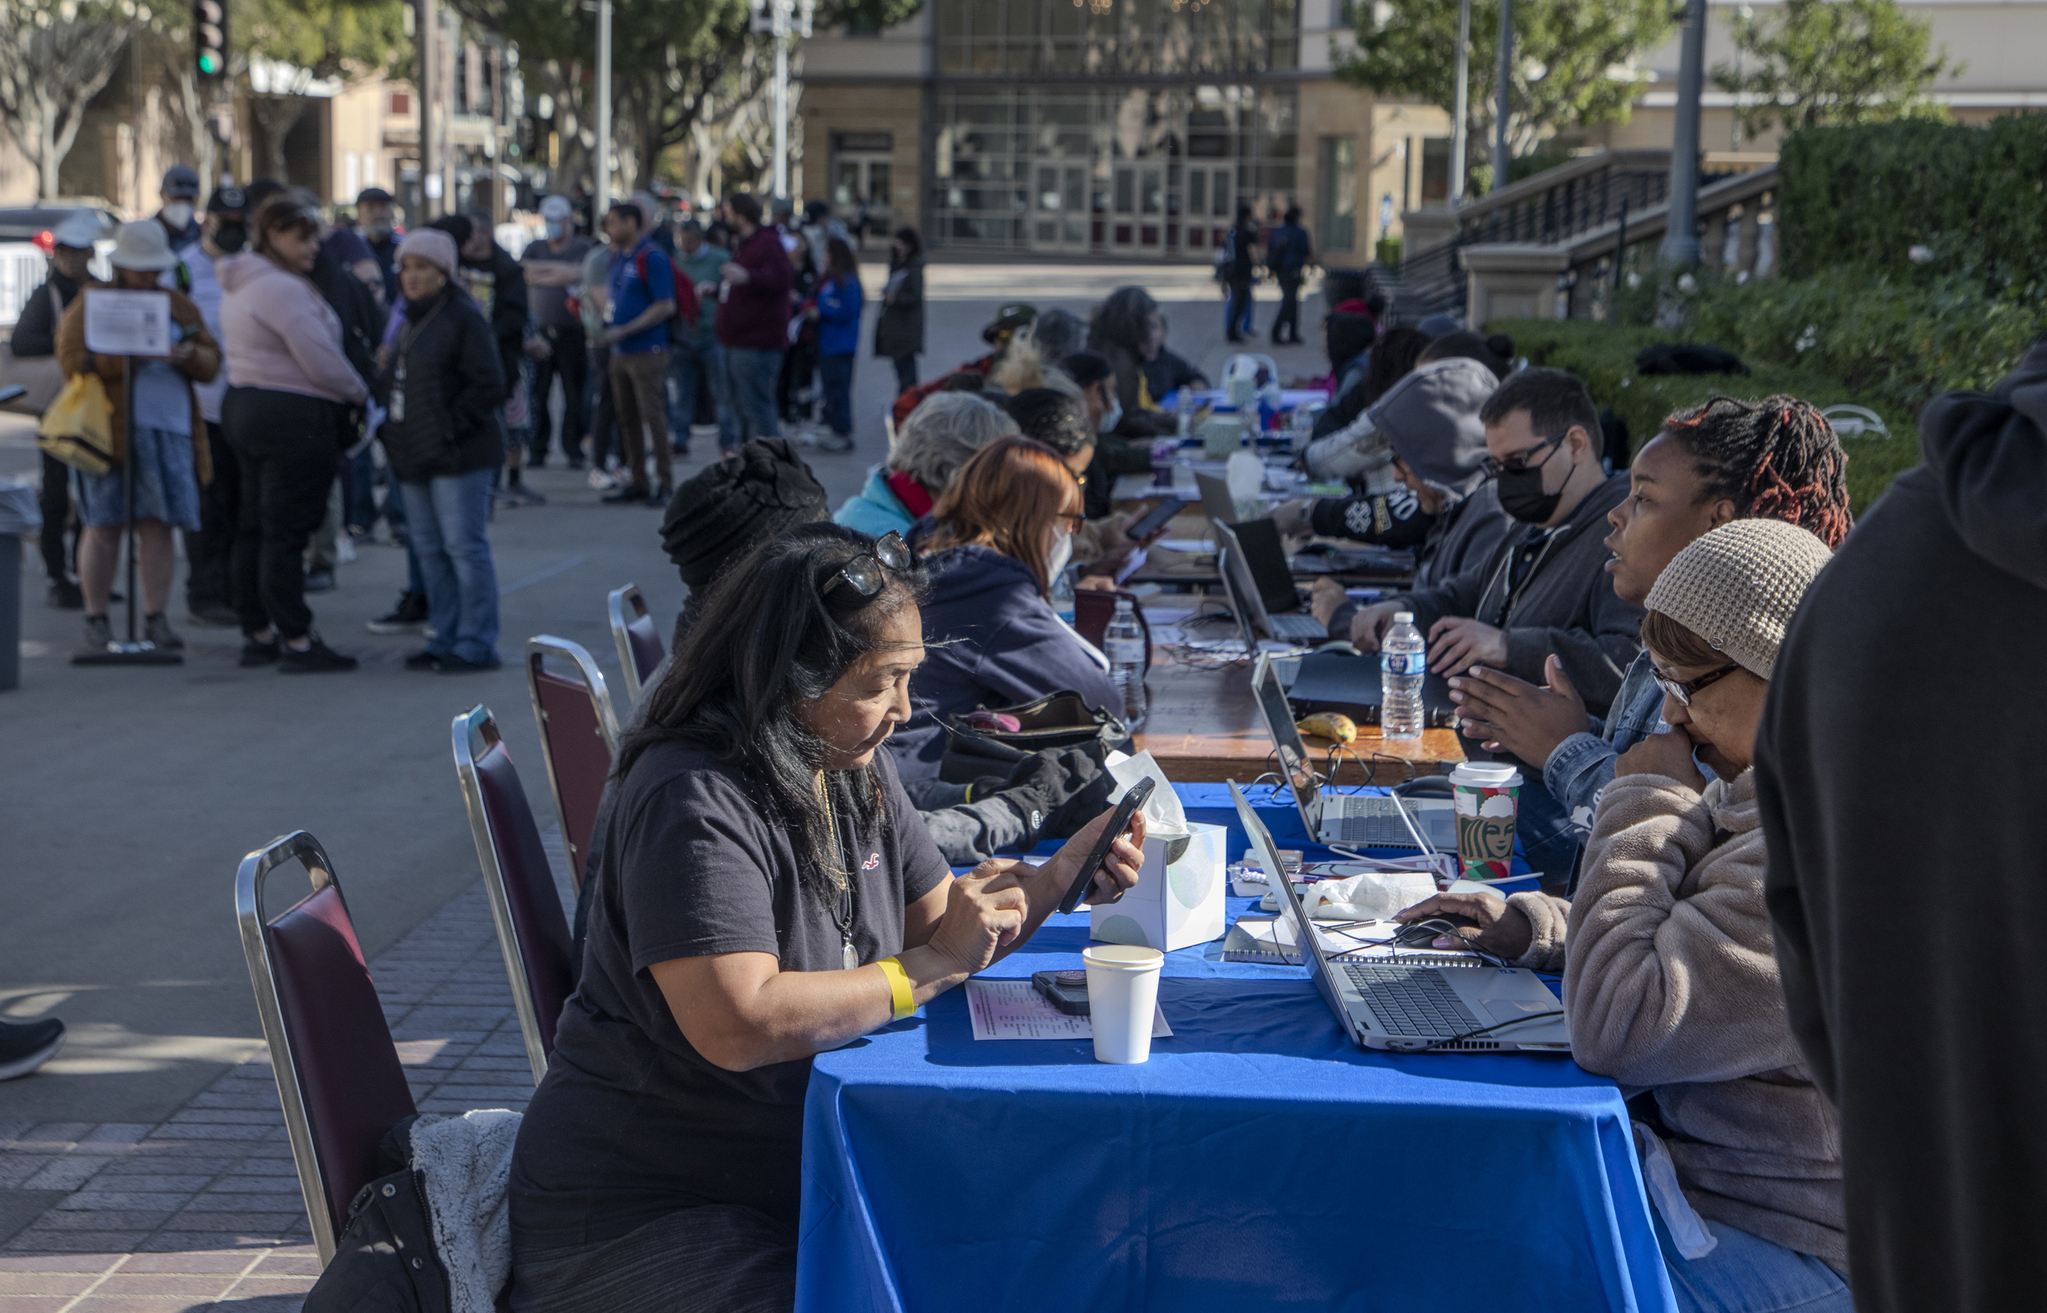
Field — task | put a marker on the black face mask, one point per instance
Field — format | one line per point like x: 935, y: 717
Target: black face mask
x: 1521, y: 494
x: 231, y: 237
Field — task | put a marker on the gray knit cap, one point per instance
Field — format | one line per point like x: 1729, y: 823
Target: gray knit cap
x: 1737, y: 587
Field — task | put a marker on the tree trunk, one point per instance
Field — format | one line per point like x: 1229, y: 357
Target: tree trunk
x: 48, y: 159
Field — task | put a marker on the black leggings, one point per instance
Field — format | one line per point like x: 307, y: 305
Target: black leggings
x: 285, y: 447
x: 55, y: 503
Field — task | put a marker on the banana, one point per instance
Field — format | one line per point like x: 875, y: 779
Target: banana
x: 1331, y: 725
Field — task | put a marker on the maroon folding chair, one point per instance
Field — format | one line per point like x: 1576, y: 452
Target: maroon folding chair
x: 578, y: 737
x: 532, y: 932
x: 639, y: 643
x: 1093, y: 610
x: 338, y: 1075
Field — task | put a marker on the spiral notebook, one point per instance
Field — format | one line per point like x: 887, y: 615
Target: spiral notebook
x: 1271, y: 940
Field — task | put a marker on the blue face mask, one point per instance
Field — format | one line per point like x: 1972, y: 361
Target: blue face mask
x: 557, y: 228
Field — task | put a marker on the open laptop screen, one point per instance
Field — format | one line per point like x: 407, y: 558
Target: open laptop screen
x: 1286, y: 741
x: 1265, y: 561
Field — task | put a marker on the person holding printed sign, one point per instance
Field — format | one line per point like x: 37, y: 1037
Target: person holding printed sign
x: 159, y: 440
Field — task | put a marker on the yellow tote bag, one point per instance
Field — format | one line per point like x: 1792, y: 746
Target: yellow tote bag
x: 78, y: 428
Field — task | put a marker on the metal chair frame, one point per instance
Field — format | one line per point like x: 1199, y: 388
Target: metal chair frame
x: 539, y: 647
x: 249, y: 881
x: 478, y: 721
x: 615, y: 606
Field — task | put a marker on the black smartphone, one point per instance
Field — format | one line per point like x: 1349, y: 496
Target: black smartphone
x: 1154, y: 519
x: 1139, y: 793
x: 1065, y: 990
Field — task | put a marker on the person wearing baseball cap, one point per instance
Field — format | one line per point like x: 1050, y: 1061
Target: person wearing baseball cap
x: 554, y: 266
x: 159, y: 440
x: 35, y: 337
x: 374, y: 224
x: 209, y: 599
x: 180, y: 196
x: 1671, y: 977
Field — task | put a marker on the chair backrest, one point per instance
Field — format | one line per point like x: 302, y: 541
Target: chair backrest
x: 639, y: 643
x: 532, y: 932
x: 578, y: 737
x: 1093, y: 610
x: 338, y: 1075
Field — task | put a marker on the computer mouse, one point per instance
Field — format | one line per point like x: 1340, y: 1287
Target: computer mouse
x: 1420, y: 934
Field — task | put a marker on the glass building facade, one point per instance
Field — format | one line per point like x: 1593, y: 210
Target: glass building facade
x: 1110, y: 126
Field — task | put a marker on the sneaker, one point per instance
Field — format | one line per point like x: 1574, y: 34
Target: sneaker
x: 661, y: 496
x: 455, y: 665
x: 259, y: 654
x: 26, y: 1045
x: 212, y: 615
x: 320, y: 581
x: 409, y: 614
x: 601, y: 481
x: 315, y: 660
x: 836, y: 443
x: 157, y: 629
x: 629, y: 493
x: 424, y: 659
x: 66, y: 596
x: 99, y: 633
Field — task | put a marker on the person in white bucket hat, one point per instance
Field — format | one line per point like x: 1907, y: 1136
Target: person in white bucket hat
x: 159, y: 439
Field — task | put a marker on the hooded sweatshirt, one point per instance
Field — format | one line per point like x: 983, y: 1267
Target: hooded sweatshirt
x: 281, y: 335
x: 991, y: 640
x: 1434, y: 408
x: 1670, y: 982
x: 1907, y: 906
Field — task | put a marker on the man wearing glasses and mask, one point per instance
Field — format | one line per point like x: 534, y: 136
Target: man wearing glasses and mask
x: 1545, y: 589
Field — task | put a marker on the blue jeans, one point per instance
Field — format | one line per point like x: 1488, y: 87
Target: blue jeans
x: 837, y: 374
x: 1748, y: 1274
x: 1237, y: 309
x: 750, y: 380
x: 686, y: 365
x: 448, y: 518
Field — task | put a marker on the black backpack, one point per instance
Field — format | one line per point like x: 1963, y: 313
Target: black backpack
x: 385, y: 1261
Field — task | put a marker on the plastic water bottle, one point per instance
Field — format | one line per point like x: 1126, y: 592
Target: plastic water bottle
x: 1123, y: 643
x: 1183, y: 410
x: 1403, y: 661
x: 1062, y: 595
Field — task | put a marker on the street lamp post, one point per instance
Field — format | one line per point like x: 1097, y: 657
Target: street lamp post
x: 782, y: 19
x: 1505, y: 90
x: 601, y: 193
x: 427, y: 22
x: 1681, y: 234
x: 1460, y: 127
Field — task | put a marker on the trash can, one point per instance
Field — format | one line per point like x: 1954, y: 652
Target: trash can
x: 19, y: 514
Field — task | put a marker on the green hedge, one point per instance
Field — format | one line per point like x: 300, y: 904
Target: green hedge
x: 1604, y: 356
x: 1860, y: 198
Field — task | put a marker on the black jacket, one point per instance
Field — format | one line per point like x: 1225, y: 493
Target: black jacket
x: 453, y: 387
x: 900, y: 330
x: 35, y: 333
x: 499, y: 284
x: 1906, y: 902
x: 356, y: 305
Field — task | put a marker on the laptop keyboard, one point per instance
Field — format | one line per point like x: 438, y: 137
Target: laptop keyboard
x: 1288, y: 627
x: 1412, y: 1002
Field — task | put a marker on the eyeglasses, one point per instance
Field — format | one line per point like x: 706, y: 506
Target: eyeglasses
x: 1075, y: 521
x: 864, y: 572
x: 1518, y: 462
x: 1682, y: 690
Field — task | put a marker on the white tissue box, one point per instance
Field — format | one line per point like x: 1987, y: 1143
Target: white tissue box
x: 1178, y: 899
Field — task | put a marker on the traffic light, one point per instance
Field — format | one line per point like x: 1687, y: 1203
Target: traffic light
x: 209, y: 37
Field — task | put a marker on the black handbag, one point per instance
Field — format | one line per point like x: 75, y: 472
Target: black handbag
x: 1057, y: 720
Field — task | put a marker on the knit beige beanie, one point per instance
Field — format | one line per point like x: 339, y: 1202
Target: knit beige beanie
x: 1737, y: 587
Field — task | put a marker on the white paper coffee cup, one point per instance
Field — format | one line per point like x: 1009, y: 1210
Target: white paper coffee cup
x: 1122, y: 995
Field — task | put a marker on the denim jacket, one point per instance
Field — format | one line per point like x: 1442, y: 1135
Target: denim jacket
x: 1580, y: 768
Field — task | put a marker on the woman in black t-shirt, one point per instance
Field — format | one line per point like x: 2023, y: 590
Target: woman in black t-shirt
x: 766, y: 893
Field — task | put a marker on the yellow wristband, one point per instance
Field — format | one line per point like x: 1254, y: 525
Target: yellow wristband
x: 898, y: 987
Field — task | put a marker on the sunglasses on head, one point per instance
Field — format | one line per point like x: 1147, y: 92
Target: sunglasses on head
x: 864, y: 572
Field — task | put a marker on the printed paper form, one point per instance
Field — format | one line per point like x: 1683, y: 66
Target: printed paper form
x: 1011, y: 1009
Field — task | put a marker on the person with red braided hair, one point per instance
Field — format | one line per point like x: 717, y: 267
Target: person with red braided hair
x: 1774, y: 459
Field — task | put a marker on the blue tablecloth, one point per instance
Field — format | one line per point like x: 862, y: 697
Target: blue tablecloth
x: 1260, y: 1160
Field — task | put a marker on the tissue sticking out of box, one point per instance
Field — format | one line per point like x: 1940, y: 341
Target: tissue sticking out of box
x: 1163, y: 817
x: 1371, y: 896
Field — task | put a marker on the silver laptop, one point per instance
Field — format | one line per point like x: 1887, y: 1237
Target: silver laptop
x: 1409, y: 1008
x: 1247, y: 600
x: 1355, y: 820
x: 1216, y: 502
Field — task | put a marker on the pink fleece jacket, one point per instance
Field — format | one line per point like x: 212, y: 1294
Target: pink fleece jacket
x: 280, y: 334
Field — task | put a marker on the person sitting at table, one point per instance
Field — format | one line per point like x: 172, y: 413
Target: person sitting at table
x: 999, y: 536
x: 1544, y: 590
x: 1127, y: 330
x: 1775, y: 459
x: 1065, y: 419
x: 1670, y: 974
x: 1113, y: 455
x: 1358, y: 452
x: 940, y: 435
x: 766, y: 894
x: 1361, y: 385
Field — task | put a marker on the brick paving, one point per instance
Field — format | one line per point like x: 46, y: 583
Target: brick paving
x: 204, y: 1211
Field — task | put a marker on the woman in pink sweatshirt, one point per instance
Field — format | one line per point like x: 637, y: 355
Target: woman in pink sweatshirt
x: 289, y: 392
